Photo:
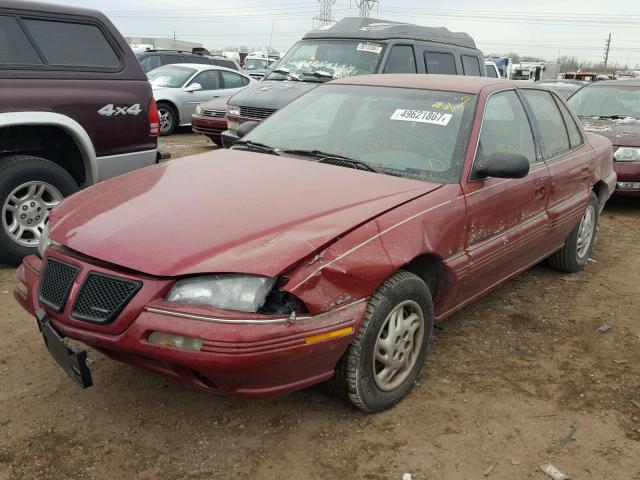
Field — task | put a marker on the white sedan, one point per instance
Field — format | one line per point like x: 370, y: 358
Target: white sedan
x: 180, y: 88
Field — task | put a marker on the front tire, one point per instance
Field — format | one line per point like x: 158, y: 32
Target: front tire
x: 29, y: 188
x: 388, y: 352
x: 579, y: 244
x: 168, y: 118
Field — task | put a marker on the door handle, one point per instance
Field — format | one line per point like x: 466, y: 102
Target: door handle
x: 539, y: 192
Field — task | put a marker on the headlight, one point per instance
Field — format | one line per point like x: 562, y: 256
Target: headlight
x: 198, y: 110
x: 626, y: 154
x: 233, y: 110
x: 45, y: 241
x: 244, y: 293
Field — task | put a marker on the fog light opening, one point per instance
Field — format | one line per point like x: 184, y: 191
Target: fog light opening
x: 207, y: 381
x: 176, y: 341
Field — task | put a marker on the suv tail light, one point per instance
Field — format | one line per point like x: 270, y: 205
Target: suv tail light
x: 154, y: 119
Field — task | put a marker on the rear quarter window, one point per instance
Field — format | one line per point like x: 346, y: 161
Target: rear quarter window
x: 471, y: 65
x: 15, y: 47
x: 440, y: 62
x: 70, y: 44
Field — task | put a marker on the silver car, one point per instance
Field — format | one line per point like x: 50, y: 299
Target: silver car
x: 180, y: 88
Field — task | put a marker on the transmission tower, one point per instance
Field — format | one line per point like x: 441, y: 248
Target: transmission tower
x: 365, y: 6
x: 325, y: 18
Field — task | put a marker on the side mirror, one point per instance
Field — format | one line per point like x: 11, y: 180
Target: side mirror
x: 194, y: 87
x: 503, y: 165
x: 245, y: 128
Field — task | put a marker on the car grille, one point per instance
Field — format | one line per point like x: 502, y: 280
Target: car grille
x: 260, y: 113
x: 206, y: 112
x: 102, y: 297
x: 56, y: 282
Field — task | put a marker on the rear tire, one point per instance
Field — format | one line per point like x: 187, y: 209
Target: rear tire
x: 168, y: 118
x: 579, y: 244
x: 388, y: 351
x: 29, y: 188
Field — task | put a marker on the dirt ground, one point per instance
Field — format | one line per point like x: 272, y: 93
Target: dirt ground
x: 507, y: 380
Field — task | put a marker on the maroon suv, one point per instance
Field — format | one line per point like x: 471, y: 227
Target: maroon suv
x: 75, y: 108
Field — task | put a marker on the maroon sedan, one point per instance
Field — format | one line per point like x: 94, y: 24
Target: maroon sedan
x: 325, y: 245
x: 612, y: 108
x: 210, y: 119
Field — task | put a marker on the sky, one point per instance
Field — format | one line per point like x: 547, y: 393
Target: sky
x: 546, y: 28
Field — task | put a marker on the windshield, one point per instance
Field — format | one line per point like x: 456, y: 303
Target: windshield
x: 323, y: 60
x: 170, y: 76
x: 255, y: 63
x: 418, y: 134
x: 607, y: 101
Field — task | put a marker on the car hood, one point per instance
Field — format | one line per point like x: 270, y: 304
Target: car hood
x: 622, y: 132
x: 225, y: 211
x: 272, y: 94
x: 219, y: 103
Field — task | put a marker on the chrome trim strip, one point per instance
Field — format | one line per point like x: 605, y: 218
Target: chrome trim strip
x: 247, y: 321
x: 369, y: 240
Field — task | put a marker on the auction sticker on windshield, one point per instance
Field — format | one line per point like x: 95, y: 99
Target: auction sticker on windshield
x: 423, y: 116
x: 369, y: 47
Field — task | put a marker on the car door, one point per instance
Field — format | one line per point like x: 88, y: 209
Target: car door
x: 233, y: 82
x: 507, y: 218
x: 569, y: 158
x: 211, y: 87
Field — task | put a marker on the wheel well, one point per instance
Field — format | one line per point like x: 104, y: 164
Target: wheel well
x: 600, y: 189
x: 44, y: 141
x: 430, y: 269
x: 170, y: 103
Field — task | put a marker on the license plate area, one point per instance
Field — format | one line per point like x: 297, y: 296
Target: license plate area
x: 72, y: 361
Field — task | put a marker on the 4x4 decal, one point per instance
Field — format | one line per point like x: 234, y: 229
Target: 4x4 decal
x: 111, y: 111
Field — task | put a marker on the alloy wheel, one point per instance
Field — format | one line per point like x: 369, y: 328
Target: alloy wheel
x: 26, y: 209
x: 398, y: 345
x: 586, y: 231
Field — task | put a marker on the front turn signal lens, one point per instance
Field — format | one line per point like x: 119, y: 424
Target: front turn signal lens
x: 176, y: 341
x: 329, y: 335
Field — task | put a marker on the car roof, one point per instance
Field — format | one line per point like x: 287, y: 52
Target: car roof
x: 630, y: 82
x: 451, y: 83
x: 374, y: 29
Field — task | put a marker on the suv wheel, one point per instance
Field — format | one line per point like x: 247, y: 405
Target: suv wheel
x: 29, y: 188
x: 168, y: 118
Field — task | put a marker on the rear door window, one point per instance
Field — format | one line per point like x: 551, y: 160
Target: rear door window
x: 199, y: 59
x: 471, y: 65
x: 151, y: 62
x: 553, y: 133
x: 15, y: 47
x: 227, y: 64
x: 232, y: 80
x: 575, y: 137
x: 169, y: 59
x: 401, y: 60
x: 72, y: 44
x: 439, y: 62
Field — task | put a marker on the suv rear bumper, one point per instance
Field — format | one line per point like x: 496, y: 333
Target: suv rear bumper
x: 114, y: 165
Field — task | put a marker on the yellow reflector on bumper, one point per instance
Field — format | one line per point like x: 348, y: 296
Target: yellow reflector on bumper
x: 329, y: 335
x: 167, y: 340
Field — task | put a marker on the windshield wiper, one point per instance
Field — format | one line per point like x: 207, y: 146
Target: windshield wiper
x: 616, y: 117
x: 324, y: 156
x: 256, y: 147
x: 285, y: 71
x: 326, y: 76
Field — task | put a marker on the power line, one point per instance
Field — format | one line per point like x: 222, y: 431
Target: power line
x: 325, y: 17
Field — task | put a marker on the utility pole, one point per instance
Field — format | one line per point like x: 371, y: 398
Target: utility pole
x: 325, y: 18
x: 365, y: 6
x: 606, y: 51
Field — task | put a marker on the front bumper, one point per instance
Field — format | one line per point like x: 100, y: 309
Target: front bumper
x: 251, y: 357
x: 208, y: 126
x: 628, y: 183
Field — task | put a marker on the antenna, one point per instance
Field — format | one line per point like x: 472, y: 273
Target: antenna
x: 325, y: 18
x: 365, y: 6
